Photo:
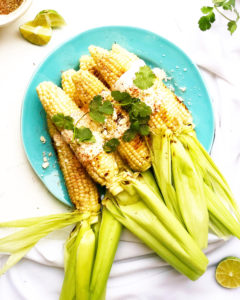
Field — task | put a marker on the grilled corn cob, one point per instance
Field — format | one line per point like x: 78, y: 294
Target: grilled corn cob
x: 82, y: 191
x: 67, y: 83
x: 135, y: 197
x: 171, y: 121
x: 101, y: 166
x: 135, y: 152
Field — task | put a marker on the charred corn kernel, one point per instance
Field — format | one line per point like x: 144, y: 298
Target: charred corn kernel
x: 135, y: 153
x: 109, y: 64
x: 82, y: 190
x: 126, y: 55
x: 86, y: 87
x: 67, y: 82
x: 101, y: 166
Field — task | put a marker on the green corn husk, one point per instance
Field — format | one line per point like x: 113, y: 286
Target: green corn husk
x: 157, y: 227
x: 210, y: 171
x: 190, y: 194
x: 84, y: 261
x: 109, y: 235
x: 220, y: 202
x: 20, y: 242
x: 162, y: 165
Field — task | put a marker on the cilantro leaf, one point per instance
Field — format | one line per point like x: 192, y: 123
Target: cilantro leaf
x: 98, y: 108
x: 206, y: 9
x: 106, y: 108
x: 204, y: 23
x: 144, y: 130
x: 232, y: 26
x: 123, y: 98
x: 140, y: 109
x: 82, y: 134
x: 63, y: 122
x: 111, y: 145
x: 144, y: 78
x: 129, y: 135
x: 97, y: 116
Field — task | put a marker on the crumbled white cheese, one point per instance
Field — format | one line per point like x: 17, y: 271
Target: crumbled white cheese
x: 163, y: 55
x: 42, y: 139
x: 45, y: 159
x: 183, y: 89
x: 44, y: 153
x: 181, y: 99
x: 171, y: 88
x: 185, y: 69
x: 160, y: 73
x: 177, y: 67
x: 50, y: 154
x: 45, y: 165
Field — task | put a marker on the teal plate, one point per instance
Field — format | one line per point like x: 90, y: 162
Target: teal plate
x: 155, y: 50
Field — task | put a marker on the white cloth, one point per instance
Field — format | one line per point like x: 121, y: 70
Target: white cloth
x: 136, y: 272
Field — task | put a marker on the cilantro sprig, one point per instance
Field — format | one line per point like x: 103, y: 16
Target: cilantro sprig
x: 144, y: 78
x: 80, y: 134
x: 111, y: 145
x: 99, y: 108
x: 139, y: 115
x: 205, y: 22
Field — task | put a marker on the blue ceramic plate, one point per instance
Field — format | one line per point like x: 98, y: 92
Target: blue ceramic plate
x: 155, y: 50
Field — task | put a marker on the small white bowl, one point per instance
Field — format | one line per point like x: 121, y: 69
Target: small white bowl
x: 7, y: 19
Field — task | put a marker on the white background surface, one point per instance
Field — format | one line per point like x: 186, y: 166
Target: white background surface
x: 136, y: 274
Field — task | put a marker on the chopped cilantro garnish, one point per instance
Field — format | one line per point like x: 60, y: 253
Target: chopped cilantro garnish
x: 83, y: 134
x: 111, y: 145
x: 80, y: 134
x: 144, y: 78
x: 98, y: 109
x: 139, y: 115
x: 63, y: 122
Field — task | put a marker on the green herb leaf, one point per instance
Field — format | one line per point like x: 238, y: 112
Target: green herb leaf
x: 106, y: 108
x: 206, y: 9
x: 204, y: 23
x: 97, y: 116
x: 83, y: 134
x: 232, y: 26
x: 140, y: 109
x: 129, y: 135
x: 144, y: 130
x: 144, y: 78
x: 111, y: 145
x: 98, y: 108
x: 123, y: 98
x: 63, y: 122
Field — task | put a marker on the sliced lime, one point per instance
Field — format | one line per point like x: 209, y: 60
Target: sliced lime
x: 228, y: 272
x: 49, y: 17
x: 38, y: 35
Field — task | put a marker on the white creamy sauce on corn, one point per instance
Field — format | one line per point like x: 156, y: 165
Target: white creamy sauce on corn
x: 151, y: 96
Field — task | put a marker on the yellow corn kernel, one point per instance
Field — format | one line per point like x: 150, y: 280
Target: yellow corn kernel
x: 86, y: 87
x: 82, y: 190
x: 127, y: 57
x: 67, y: 82
x: 109, y: 64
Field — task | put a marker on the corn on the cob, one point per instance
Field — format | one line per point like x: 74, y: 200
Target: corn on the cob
x: 101, y: 166
x: 170, y: 117
x: 87, y: 63
x: 128, y: 56
x: 67, y: 82
x: 135, y: 152
x: 82, y: 190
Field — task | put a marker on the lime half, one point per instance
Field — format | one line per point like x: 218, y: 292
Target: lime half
x: 38, y: 35
x: 228, y: 272
x: 49, y: 17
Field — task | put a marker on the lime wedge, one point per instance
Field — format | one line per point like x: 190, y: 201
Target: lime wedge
x: 49, y: 17
x: 38, y: 35
x: 228, y: 272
